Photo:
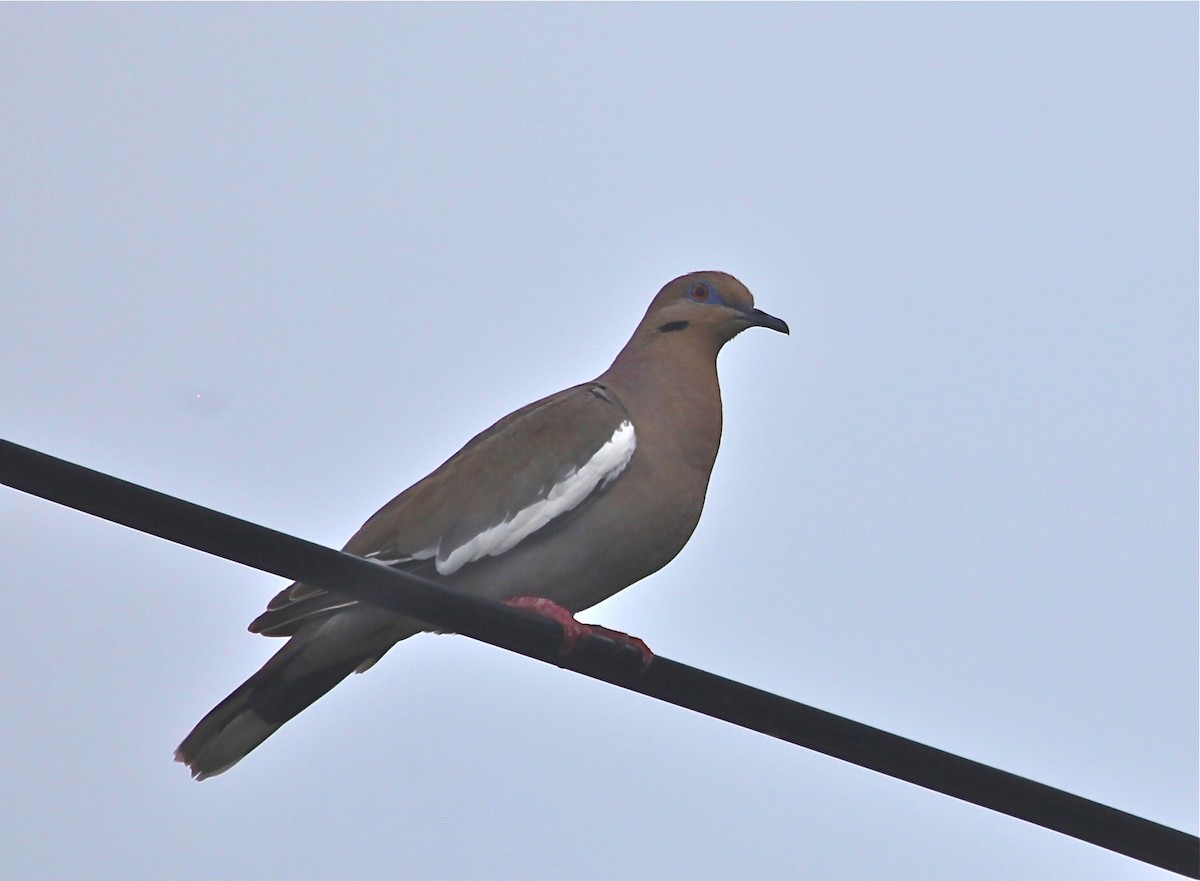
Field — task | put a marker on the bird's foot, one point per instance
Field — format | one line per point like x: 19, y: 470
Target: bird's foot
x: 574, y: 630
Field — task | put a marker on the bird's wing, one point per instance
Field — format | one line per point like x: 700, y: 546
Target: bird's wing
x: 530, y: 468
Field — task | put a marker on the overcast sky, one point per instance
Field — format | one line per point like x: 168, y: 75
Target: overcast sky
x: 283, y: 260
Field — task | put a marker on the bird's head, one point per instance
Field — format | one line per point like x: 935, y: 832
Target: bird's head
x: 714, y: 305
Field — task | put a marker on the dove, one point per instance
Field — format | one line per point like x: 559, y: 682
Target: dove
x: 555, y: 507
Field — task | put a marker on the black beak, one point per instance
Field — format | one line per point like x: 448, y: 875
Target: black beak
x: 759, y: 318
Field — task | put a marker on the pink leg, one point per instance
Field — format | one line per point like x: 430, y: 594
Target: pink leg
x: 573, y: 630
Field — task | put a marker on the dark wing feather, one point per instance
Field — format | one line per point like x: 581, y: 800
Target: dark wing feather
x: 499, y: 472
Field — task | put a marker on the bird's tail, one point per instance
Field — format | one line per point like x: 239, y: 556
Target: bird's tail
x: 311, y: 663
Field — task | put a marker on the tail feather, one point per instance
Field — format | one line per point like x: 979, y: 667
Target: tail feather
x: 253, y: 712
x: 318, y: 656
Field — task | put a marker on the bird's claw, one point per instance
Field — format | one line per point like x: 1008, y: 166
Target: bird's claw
x: 574, y: 630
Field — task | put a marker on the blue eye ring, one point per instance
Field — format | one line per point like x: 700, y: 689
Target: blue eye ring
x: 700, y: 292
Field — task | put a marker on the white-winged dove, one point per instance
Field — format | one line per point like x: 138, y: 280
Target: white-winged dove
x: 554, y: 508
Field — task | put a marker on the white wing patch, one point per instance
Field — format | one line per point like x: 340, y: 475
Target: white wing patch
x: 386, y: 557
x: 604, y: 467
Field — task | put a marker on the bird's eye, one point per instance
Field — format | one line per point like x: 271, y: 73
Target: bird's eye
x: 699, y: 292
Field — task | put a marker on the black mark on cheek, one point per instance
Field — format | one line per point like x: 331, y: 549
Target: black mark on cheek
x: 671, y: 326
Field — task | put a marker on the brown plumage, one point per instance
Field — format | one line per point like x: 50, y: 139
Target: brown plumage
x: 571, y: 498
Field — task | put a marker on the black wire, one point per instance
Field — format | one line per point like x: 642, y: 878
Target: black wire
x: 212, y: 532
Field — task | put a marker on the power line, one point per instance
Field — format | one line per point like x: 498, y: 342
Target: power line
x: 215, y: 533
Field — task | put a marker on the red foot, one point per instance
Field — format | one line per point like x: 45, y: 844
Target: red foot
x: 573, y: 630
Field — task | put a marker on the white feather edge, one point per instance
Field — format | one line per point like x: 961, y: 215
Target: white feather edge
x: 605, y: 465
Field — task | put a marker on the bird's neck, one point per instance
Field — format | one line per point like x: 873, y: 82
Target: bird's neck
x: 673, y: 387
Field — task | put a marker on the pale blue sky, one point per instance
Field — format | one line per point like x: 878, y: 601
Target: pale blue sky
x: 283, y: 260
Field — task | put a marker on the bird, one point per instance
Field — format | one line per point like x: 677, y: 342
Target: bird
x: 555, y: 507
